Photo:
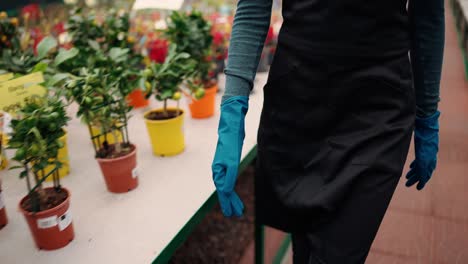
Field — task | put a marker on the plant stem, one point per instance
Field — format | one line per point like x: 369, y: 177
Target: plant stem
x: 178, y: 107
x: 92, y: 138
x: 118, y: 145
x: 127, y: 139
x: 28, y: 181
x: 165, y: 108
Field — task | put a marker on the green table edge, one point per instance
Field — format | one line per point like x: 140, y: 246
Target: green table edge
x: 185, y: 232
x: 283, y: 250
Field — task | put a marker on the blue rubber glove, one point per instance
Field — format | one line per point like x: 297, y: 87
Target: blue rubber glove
x: 426, y: 144
x: 228, y: 153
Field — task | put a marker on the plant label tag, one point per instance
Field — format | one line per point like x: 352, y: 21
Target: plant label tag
x: 2, y: 202
x: 5, y: 77
x: 135, y: 173
x: 13, y: 93
x: 48, y: 222
x: 7, y: 129
x: 65, y: 220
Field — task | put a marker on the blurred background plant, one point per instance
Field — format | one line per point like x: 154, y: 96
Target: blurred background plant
x: 192, y: 33
x: 165, y: 80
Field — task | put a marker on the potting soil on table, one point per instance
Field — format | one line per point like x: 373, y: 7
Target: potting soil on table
x: 218, y: 239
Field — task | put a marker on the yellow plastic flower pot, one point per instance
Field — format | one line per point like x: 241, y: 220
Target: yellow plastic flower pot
x: 3, y: 158
x: 110, y: 138
x: 62, y: 157
x: 167, y: 136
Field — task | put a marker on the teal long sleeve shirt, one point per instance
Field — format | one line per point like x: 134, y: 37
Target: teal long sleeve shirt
x: 251, y: 24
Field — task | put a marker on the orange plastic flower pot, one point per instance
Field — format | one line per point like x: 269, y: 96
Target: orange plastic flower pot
x: 53, y: 228
x: 120, y: 174
x: 137, y: 99
x: 204, y: 107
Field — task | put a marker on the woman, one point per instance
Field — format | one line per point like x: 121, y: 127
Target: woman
x: 340, y: 106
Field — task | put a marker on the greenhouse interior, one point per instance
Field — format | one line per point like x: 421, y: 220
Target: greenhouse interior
x: 233, y: 131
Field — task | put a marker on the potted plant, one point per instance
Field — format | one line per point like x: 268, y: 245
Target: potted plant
x: 48, y: 60
x: 36, y: 139
x: 192, y: 34
x: 116, y: 29
x: 88, y: 35
x: 101, y: 94
x: 164, y: 81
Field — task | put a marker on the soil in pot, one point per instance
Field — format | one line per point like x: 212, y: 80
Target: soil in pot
x: 119, y: 169
x: 109, y: 151
x: 160, y: 115
x: 51, y: 226
x: 50, y: 198
x: 165, y: 130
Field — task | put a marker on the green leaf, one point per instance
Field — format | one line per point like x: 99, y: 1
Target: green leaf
x: 166, y: 94
x: 45, y: 46
x: 118, y: 54
x: 40, y: 67
x: 65, y: 55
x: 94, y: 45
x: 23, y: 174
x: 183, y: 56
x: 57, y: 78
x: 16, y: 167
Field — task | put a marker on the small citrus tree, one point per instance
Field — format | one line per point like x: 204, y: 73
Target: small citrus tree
x: 100, y: 93
x: 192, y: 34
x: 165, y: 80
x: 36, y: 139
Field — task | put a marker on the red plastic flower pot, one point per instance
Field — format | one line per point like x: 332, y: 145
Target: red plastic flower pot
x: 120, y: 174
x: 3, y: 215
x: 53, y: 228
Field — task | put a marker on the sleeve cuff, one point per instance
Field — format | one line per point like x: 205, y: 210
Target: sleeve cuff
x: 236, y: 86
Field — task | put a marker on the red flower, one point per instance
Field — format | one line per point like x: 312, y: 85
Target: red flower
x: 211, y: 74
x: 218, y: 38
x: 158, y: 50
x: 58, y: 28
x: 33, y: 10
x: 37, y: 36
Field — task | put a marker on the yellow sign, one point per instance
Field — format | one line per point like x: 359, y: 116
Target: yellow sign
x: 14, y: 93
x: 5, y: 77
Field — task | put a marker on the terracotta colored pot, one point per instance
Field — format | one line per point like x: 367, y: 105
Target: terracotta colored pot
x: 137, y: 99
x: 3, y: 215
x: 204, y: 107
x: 53, y: 228
x: 120, y: 174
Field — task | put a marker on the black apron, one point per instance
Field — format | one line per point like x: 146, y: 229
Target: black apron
x: 336, y: 124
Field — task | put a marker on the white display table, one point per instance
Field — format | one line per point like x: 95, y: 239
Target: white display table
x: 143, y: 226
